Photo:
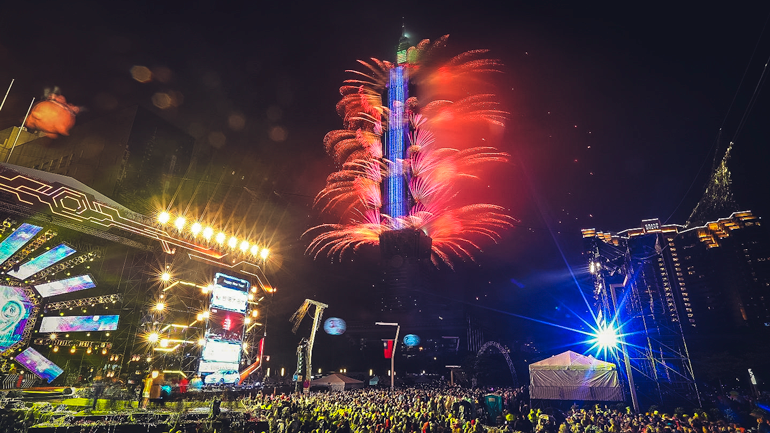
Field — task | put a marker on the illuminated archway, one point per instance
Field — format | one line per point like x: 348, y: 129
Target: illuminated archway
x: 485, y: 347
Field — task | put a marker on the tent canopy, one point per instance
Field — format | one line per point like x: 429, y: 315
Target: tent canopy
x: 572, y: 376
x: 337, y: 382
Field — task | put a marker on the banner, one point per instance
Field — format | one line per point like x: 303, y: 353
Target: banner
x: 388, y: 348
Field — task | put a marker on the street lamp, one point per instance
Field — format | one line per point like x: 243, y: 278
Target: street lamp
x: 393, y: 353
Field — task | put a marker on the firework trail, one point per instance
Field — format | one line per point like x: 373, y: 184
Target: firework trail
x: 435, y: 167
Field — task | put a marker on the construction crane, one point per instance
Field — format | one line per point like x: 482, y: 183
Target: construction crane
x: 296, y: 318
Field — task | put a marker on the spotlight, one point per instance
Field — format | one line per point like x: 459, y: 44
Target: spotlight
x: 254, y: 313
x: 244, y: 246
x: 56, y: 348
x: 264, y: 253
x: 196, y: 228
x: 254, y: 250
x: 104, y: 351
x: 208, y: 232
x: 160, y: 306
x: 179, y: 223
x: 165, y: 276
x: 163, y: 217
x: 53, y: 336
x: 247, y: 320
x: 605, y: 337
x: 233, y: 242
x: 164, y: 342
x: 201, y: 342
x: 152, y: 338
x: 220, y: 238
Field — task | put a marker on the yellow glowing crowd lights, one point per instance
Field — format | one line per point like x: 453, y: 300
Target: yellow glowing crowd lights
x: 196, y: 228
x: 163, y: 217
x: 154, y: 337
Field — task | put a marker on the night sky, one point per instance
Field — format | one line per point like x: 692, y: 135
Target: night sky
x: 616, y: 112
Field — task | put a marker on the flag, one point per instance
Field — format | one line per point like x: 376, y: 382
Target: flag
x: 388, y: 348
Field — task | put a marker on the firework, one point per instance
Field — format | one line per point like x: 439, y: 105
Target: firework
x: 418, y: 185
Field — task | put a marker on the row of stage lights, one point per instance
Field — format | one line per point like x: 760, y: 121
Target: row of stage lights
x: 207, y: 233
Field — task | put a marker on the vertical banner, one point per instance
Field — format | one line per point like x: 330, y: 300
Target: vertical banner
x: 387, y: 348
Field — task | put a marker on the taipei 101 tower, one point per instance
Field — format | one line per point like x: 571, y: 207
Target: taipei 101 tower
x: 404, y: 167
x: 403, y: 250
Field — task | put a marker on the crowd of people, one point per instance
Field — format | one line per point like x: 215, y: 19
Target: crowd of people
x: 454, y: 410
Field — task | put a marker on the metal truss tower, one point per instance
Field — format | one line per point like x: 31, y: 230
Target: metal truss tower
x: 633, y: 279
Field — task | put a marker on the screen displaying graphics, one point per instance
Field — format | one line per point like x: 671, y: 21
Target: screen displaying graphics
x: 37, y: 264
x: 224, y: 280
x: 225, y: 326
x: 16, y: 240
x: 219, y: 355
x: 229, y: 299
x: 38, y: 364
x: 79, y: 323
x: 15, y: 308
x: 81, y: 282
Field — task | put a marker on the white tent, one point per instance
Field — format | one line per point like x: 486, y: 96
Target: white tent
x: 571, y: 376
x: 337, y: 382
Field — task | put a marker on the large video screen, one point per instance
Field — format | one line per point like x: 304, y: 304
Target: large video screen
x: 38, y: 364
x: 229, y: 299
x: 225, y: 326
x: 37, y: 264
x: 220, y: 355
x: 81, y: 282
x: 16, y: 240
x: 15, y: 308
x: 79, y: 323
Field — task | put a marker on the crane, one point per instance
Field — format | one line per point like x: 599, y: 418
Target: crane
x: 296, y: 318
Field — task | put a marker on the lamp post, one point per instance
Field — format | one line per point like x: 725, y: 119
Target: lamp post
x: 393, y: 353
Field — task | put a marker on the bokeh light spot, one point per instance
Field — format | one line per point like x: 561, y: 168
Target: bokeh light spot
x: 141, y: 74
x: 278, y: 134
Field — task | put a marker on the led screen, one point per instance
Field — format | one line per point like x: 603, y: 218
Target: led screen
x: 219, y: 355
x: 16, y: 240
x: 81, y: 282
x: 15, y: 308
x: 79, y: 323
x: 42, y: 261
x: 335, y: 326
x: 229, y: 299
x: 225, y: 326
x: 38, y: 364
x: 225, y: 280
